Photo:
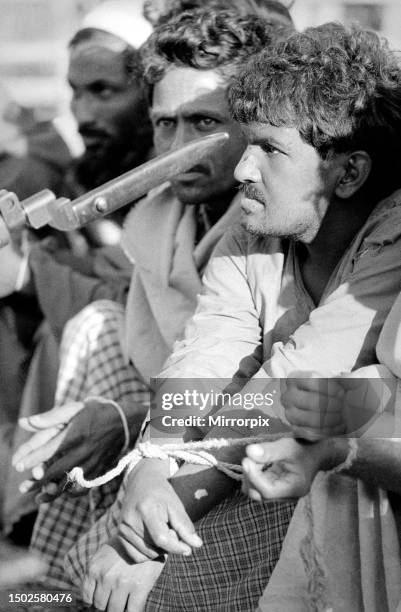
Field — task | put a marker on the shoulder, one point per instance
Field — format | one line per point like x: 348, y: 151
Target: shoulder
x: 384, y: 224
x: 238, y: 241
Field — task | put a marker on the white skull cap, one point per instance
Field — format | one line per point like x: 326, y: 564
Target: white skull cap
x: 123, y: 18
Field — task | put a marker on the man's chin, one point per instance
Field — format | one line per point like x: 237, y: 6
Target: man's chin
x: 188, y: 195
x: 256, y: 229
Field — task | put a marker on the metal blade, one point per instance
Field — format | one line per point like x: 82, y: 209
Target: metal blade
x: 132, y: 185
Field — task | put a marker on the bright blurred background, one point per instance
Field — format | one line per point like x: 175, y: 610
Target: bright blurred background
x: 34, y: 35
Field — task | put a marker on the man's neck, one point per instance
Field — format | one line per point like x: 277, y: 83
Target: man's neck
x: 319, y: 259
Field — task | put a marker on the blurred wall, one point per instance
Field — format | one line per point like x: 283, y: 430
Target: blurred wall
x: 34, y: 36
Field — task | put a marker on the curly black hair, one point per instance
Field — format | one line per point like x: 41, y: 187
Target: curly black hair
x: 207, y: 40
x: 339, y: 87
x: 159, y: 11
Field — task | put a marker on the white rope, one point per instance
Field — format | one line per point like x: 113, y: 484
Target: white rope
x: 190, y: 452
x: 109, y: 402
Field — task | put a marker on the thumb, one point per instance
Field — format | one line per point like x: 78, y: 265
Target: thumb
x: 52, y: 418
x: 268, y: 452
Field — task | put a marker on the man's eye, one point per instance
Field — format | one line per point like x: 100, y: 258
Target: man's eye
x: 102, y: 91
x: 165, y: 123
x: 269, y: 149
x: 206, y: 123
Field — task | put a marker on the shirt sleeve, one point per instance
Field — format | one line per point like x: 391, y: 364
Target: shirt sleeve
x: 62, y: 290
x: 342, y: 332
x: 224, y: 337
x: 339, y: 336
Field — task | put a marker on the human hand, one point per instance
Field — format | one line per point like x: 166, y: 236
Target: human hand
x: 281, y: 469
x: 323, y: 407
x: 86, y: 434
x: 116, y: 584
x: 314, y: 406
x: 153, y: 518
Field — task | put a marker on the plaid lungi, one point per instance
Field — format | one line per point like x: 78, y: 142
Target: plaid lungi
x: 77, y: 559
x: 91, y: 363
x: 242, y: 542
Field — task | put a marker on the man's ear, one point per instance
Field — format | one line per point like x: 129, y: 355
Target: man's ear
x: 356, y: 170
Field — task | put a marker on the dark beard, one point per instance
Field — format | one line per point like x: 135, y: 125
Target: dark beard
x: 91, y: 171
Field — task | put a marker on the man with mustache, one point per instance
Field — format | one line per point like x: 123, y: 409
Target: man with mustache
x: 54, y: 279
x: 107, y: 103
x: 169, y: 237
x: 305, y: 284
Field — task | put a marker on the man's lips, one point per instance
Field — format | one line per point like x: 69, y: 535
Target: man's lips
x: 192, y: 174
x: 249, y: 206
x: 251, y: 198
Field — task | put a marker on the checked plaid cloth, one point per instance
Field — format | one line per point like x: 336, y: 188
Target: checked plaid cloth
x: 91, y: 363
x: 242, y: 542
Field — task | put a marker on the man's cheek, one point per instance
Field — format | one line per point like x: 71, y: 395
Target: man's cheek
x: 162, y: 144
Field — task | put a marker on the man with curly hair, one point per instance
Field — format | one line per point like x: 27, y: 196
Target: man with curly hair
x: 304, y: 285
x: 188, y: 63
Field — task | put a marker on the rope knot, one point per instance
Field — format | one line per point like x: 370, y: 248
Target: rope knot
x: 151, y: 451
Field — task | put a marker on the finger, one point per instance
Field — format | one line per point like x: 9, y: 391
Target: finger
x: 101, y: 595
x: 118, y: 600
x: 26, y: 486
x: 58, y: 470
x: 248, y: 490
x: 313, y: 401
x: 330, y: 387
x: 38, y: 472
x: 52, y: 418
x: 136, y: 602
x: 88, y: 589
x: 270, y: 452
x: 162, y: 536
x: 49, y: 492
x: 183, y: 526
x: 314, y: 420
x: 37, y: 450
x: 254, y: 495
x: 134, y: 546
x: 269, y: 484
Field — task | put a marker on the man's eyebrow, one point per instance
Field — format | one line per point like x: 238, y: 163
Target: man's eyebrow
x: 157, y: 114
x: 188, y: 113
x: 262, y: 140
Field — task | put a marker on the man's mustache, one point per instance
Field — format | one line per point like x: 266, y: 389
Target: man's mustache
x: 252, y: 193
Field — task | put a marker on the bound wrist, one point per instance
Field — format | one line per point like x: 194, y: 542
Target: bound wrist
x: 334, y: 453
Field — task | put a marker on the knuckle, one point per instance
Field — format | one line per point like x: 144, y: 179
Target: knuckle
x: 160, y: 540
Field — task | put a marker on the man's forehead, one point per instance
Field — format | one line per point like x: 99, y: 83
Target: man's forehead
x: 258, y: 132
x: 189, y: 89
x: 87, y: 60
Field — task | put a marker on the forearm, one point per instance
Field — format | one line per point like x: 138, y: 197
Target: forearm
x: 202, y: 488
x: 377, y: 461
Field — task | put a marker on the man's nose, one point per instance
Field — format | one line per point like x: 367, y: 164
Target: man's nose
x: 83, y: 109
x: 183, y: 135
x: 247, y: 170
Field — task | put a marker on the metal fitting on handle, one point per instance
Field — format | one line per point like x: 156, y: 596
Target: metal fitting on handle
x: 100, y: 204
